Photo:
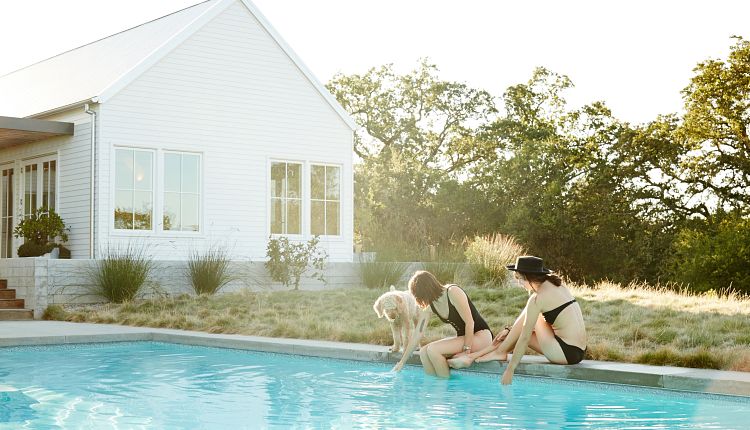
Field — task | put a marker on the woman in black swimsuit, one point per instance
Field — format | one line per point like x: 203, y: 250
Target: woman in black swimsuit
x: 451, y: 304
x: 551, y: 323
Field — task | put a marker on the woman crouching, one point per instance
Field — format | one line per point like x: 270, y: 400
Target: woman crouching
x: 451, y: 304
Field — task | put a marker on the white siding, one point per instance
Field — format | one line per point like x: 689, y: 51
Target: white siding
x: 73, y: 157
x: 230, y: 92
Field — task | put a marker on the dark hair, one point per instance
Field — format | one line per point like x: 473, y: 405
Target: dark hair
x: 425, y: 287
x: 539, y: 278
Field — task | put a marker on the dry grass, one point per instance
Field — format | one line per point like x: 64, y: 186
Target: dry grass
x: 637, y: 323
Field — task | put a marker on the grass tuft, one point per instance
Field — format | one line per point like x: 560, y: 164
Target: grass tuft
x: 121, y: 274
x: 208, y: 272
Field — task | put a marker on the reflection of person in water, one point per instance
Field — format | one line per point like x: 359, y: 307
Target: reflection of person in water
x: 551, y: 323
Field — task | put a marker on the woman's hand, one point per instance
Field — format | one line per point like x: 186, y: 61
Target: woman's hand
x: 507, y: 376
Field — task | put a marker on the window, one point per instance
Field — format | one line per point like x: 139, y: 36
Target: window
x: 133, y: 189
x: 181, y: 192
x: 325, y: 200
x: 286, y: 198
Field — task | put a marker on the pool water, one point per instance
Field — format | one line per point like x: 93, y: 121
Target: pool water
x: 151, y: 385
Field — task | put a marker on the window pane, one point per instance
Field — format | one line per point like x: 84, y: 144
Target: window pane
x: 171, y: 217
x: 276, y: 216
x: 190, y: 173
x: 332, y: 218
x: 294, y: 180
x: 190, y: 214
x: 123, y: 209
x: 142, y: 208
x: 317, y: 182
x: 52, y: 184
x: 124, y: 169
x: 317, y: 218
x: 332, y: 183
x: 278, y: 176
x: 293, y: 217
x: 172, y: 172
x: 142, y: 167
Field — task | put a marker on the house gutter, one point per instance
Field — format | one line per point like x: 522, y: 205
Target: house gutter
x: 91, y: 187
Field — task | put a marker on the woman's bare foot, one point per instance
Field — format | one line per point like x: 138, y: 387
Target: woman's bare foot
x: 460, y: 362
x: 492, y: 355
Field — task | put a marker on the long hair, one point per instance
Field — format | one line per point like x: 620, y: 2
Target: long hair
x: 538, y: 278
x: 425, y: 287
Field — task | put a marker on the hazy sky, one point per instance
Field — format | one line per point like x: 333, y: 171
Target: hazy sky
x: 635, y: 55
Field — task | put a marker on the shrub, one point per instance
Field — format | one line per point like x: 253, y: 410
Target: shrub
x: 33, y: 249
x: 40, y: 230
x: 381, y: 274
x: 288, y: 261
x: 488, y: 256
x: 713, y: 256
x: 209, y: 271
x: 54, y: 313
x: 121, y: 275
x: 445, y: 271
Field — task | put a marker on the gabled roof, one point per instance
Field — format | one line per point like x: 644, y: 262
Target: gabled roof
x: 97, y: 71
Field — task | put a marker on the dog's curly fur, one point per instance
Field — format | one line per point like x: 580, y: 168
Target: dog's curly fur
x: 400, y: 309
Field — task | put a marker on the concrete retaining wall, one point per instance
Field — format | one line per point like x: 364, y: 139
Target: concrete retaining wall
x: 42, y: 281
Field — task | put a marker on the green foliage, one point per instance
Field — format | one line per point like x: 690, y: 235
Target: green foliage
x: 208, y: 271
x: 40, y: 228
x: 596, y: 197
x: 488, y: 256
x: 121, y: 275
x: 713, y: 255
x: 288, y: 261
x: 447, y: 272
x: 381, y: 274
x: 33, y: 249
x: 54, y: 313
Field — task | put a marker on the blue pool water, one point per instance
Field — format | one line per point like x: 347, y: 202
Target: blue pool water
x: 149, y: 385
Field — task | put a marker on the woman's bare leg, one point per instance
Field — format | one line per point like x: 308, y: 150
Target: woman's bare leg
x: 500, y: 352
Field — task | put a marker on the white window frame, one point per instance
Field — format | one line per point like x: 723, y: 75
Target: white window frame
x: 21, y: 182
x: 303, y: 197
x: 113, y: 191
x: 340, y: 200
x: 161, y: 189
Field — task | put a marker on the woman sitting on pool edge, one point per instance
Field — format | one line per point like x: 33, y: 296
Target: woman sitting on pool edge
x: 551, y: 323
x: 472, y: 331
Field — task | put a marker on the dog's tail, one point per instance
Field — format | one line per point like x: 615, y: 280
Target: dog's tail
x: 393, y: 288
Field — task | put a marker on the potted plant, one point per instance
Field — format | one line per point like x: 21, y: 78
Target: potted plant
x: 40, y: 231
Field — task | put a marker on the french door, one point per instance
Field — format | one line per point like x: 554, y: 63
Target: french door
x: 6, y: 212
x: 39, y: 184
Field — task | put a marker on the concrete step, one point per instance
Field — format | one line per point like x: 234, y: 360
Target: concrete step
x: 11, y: 303
x: 3, y: 283
x: 16, y: 314
x: 7, y: 293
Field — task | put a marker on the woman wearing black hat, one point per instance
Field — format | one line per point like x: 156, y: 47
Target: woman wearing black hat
x: 551, y: 323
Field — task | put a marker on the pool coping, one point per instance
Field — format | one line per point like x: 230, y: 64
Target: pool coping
x: 24, y: 333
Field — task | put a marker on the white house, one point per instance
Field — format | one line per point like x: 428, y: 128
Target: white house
x: 208, y: 130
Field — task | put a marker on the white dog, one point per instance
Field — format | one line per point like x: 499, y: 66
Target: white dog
x: 400, y: 309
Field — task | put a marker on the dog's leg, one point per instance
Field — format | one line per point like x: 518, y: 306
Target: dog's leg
x: 396, y: 332
x: 407, y: 331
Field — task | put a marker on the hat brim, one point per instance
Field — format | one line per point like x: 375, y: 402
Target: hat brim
x: 540, y: 272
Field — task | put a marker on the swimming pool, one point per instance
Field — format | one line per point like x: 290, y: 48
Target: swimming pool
x: 167, y: 386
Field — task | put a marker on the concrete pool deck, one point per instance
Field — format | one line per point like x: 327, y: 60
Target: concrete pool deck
x: 21, y: 333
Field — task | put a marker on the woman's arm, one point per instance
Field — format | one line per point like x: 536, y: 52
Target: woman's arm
x: 424, y: 317
x: 461, y: 302
x: 532, y: 314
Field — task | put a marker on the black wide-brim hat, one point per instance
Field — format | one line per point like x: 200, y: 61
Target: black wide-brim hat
x: 529, y: 264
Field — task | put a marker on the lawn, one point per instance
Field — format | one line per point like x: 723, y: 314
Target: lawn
x: 637, y: 324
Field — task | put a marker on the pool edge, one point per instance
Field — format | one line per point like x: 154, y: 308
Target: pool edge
x: 672, y: 378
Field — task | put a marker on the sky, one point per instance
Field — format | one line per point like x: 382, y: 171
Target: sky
x: 634, y: 55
